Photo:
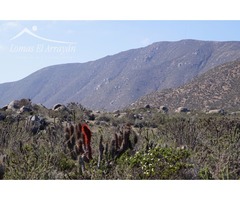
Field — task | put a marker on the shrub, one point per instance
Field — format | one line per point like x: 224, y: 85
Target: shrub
x: 157, y: 163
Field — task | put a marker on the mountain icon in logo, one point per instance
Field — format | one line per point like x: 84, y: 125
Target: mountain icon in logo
x: 34, y: 28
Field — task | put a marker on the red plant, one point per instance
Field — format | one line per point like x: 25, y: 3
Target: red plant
x: 78, y: 140
x: 87, y: 134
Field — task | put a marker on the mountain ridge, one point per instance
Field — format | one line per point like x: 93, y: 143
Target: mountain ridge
x: 115, y: 81
x: 215, y: 89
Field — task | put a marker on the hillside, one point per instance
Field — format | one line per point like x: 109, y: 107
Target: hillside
x: 116, y: 81
x: 217, y: 88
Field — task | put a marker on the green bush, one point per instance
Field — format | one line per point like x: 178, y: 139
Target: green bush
x: 157, y: 163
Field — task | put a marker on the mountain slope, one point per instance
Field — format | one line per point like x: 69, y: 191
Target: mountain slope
x: 115, y: 81
x: 217, y: 88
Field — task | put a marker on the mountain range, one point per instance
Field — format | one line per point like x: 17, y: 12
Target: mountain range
x: 115, y: 81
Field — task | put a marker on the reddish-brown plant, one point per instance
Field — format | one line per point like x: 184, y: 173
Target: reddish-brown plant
x: 87, y: 134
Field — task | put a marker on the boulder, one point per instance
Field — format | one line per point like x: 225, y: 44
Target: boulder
x: 34, y: 118
x: 17, y: 104
x: 25, y: 109
x: 216, y: 111
x: 182, y: 110
x: 35, y: 123
x: 14, y: 105
x: 163, y: 109
x: 25, y: 102
x: 147, y: 106
x: 56, y: 106
x: 59, y: 107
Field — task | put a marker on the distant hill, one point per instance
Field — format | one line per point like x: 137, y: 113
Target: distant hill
x: 217, y: 88
x: 116, y: 81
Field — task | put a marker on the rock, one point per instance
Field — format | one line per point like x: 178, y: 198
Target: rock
x: 59, y: 107
x: 147, y: 106
x: 14, y: 105
x: 25, y: 102
x: 216, y: 111
x: 56, y: 106
x: 35, y: 123
x: 182, y: 110
x: 62, y: 108
x: 34, y: 118
x: 25, y: 109
x: 163, y: 109
x: 17, y: 104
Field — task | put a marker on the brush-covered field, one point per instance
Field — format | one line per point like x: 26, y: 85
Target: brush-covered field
x: 143, y: 143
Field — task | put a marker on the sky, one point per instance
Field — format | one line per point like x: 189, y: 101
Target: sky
x: 27, y: 46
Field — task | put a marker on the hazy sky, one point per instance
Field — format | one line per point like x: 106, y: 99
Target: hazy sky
x: 27, y: 46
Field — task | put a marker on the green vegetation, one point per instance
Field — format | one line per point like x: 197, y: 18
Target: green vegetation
x: 168, y: 146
